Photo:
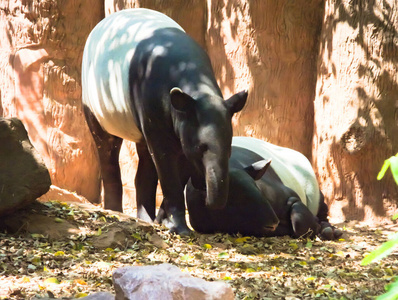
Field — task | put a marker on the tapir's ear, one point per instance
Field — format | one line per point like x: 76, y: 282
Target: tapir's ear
x: 236, y: 102
x: 181, y: 101
x: 257, y: 170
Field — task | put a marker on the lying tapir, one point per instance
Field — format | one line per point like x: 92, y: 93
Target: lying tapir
x: 145, y: 80
x: 273, y: 191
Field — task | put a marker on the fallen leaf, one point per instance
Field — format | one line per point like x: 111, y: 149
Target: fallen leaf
x: 310, y: 278
x: 250, y: 270
x: 81, y: 295
x: 80, y: 281
x: 294, y: 246
x: 186, y: 257
x: 207, y: 246
x: 242, y: 239
x: 137, y: 236
x: 223, y: 255
x: 52, y: 280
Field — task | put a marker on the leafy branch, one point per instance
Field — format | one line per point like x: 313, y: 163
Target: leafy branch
x: 387, y: 247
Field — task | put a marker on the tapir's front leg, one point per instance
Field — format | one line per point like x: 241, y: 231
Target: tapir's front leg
x: 172, y: 212
x: 146, y: 181
x: 184, y: 172
x: 303, y: 221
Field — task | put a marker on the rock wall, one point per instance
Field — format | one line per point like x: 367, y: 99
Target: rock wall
x: 269, y: 47
x: 41, y: 49
x: 356, y: 108
x: 190, y: 14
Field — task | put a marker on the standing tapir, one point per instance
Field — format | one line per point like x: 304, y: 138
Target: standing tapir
x: 273, y: 192
x: 145, y: 80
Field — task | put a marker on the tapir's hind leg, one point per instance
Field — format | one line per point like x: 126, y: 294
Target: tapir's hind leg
x: 146, y: 181
x: 328, y: 232
x: 108, y: 147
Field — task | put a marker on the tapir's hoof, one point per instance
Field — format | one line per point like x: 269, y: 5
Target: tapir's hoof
x: 181, y: 230
x: 327, y: 233
x: 337, y: 233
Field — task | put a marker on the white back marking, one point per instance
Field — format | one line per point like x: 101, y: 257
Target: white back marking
x: 105, y: 67
x: 292, y: 167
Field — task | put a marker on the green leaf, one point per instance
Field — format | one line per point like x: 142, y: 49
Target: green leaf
x: 242, y: 239
x: 392, y: 293
x: 137, y: 236
x: 187, y: 257
x: 308, y: 244
x: 59, y: 253
x: 394, y: 217
x: 81, y: 295
x: 223, y: 255
x: 37, y: 235
x: 102, y: 219
x: 52, y: 280
x: 310, y: 278
x: 385, y: 249
x: 384, y: 169
x: 293, y: 245
x: 227, y: 278
x: 394, y: 168
x: 207, y: 246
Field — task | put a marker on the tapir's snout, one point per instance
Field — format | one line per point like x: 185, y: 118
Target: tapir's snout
x: 271, y: 228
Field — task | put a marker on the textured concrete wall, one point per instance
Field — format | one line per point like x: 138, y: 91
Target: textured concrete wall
x: 269, y: 47
x: 355, y: 127
x: 40, y: 58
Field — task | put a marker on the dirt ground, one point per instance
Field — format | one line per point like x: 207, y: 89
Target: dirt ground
x: 62, y: 250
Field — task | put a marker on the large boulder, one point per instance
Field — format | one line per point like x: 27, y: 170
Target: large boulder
x: 23, y: 174
x: 40, y: 60
x: 167, y: 282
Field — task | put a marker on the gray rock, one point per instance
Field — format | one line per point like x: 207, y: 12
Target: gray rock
x: 23, y: 175
x: 166, y: 282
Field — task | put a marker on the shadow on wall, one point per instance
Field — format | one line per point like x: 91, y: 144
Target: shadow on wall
x: 28, y: 72
x: 269, y: 46
x: 215, y: 36
x: 283, y: 68
x: 43, y: 43
x: 190, y: 14
x: 359, y: 152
